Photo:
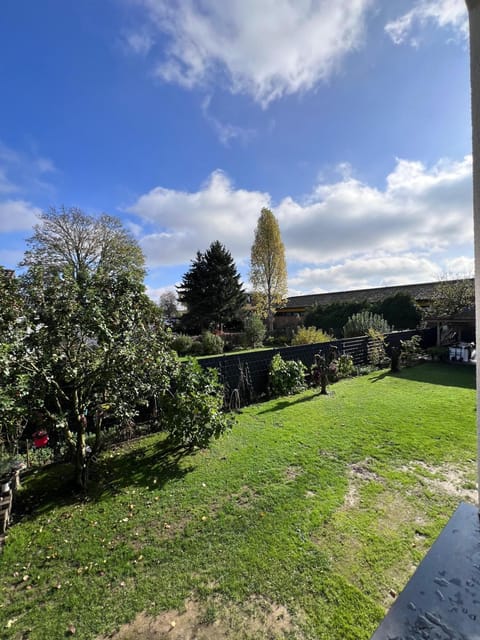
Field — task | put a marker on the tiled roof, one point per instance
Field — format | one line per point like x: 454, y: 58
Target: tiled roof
x: 418, y: 292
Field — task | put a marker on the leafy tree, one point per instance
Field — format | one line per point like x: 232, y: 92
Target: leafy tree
x: 268, y: 269
x: 332, y: 317
x: 255, y: 331
x: 168, y: 307
x: 13, y: 380
x: 194, y: 408
x: 211, y: 290
x: 399, y: 310
x: 452, y: 297
x: 361, y: 323
x: 95, y: 346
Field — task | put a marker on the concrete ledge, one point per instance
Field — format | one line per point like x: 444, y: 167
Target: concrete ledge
x: 442, y: 599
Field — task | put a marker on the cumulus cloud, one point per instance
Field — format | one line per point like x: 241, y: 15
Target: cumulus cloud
x: 187, y: 222
x: 266, y: 49
x: 460, y: 266
x: 419, y: 208
x: 364, y: 272
x: 22, y: 176
x: 450, y: 14
x: 370, y: 235
x: 17, y: 215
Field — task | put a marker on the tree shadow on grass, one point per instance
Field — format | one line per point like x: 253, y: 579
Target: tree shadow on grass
x: 142, y: 463
x: 284, y: 404
x: 441, y: 373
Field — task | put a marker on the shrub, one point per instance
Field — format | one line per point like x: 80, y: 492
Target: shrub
x: 310, y: 335
x: 377, y: 355
x: 360, y: 323
x: 410, y: 350
x: 211, y: 344
x: 193, y: 410
x: 255, y: 331
x: 345, y: 366
x: 279, y: 340
x: 438, y: 353
x: 196, y: 348
x: 285, y: 376
x: 364, y: 370
x: 182, y: 344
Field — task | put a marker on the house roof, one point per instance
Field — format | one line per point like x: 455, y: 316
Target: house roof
x: 419, y: 292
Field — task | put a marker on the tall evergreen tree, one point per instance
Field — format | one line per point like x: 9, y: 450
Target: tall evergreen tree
x: 211, y: 290
x: 268, y: 268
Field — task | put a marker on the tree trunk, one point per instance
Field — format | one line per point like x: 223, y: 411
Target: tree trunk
x: 81, y: 460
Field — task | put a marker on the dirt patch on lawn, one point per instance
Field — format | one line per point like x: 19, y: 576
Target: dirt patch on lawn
x: 358, y: 473
x: 257, y: 618
x: 447, y: 478
x: 245, y: 497
x: 292, y: 473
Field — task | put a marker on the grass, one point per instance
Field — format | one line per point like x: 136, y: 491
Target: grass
x: 303, y: 522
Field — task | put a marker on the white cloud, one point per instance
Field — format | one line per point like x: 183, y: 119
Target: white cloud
x: 365, y: 272
x: 23, y: 171
x: 187, y: 222
x: 371, y: 236
x: 266, y: 49
x: 138, y: 42
x: 17, y: 215
x: 21, y: 176
x: 450, y: 14
x: 461, y: 266
x: 154, y: 293
x: 6, y: 185
x: 224, y: 130
x: 420, y: 208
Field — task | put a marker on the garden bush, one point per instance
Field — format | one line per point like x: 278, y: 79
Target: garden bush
x: 310, y: 335
x: 211, y: 344
x: 255, y: 331
x: 377, y: 355
x: 182, y: 344
x: 193, y: 410
x: 360, y: 323
x: 286, y: 376
x: 345, y: 366
x: 411, y: 351
x: 196, y: 348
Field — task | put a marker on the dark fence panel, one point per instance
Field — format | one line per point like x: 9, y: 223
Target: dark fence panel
x: 248, y: 372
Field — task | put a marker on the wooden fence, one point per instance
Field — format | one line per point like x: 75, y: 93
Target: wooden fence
x: 248, y: 372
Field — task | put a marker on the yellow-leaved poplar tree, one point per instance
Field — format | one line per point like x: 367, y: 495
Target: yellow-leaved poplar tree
x: 268, y: 269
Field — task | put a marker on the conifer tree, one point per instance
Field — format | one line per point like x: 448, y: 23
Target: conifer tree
x: 211, y: 290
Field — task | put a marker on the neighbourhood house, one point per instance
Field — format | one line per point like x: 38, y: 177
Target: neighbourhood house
x: 291, y: 315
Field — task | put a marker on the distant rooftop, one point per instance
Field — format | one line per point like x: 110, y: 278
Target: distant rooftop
x: 419, y: 292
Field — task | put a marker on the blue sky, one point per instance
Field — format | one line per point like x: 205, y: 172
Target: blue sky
x: 350, y: 120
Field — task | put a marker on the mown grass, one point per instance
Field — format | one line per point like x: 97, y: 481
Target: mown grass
x: 322, y: 504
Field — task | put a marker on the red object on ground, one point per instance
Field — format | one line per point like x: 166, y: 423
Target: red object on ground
x: 40, y: 439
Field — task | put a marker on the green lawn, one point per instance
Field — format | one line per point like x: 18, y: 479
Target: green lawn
x: 302, y: 522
